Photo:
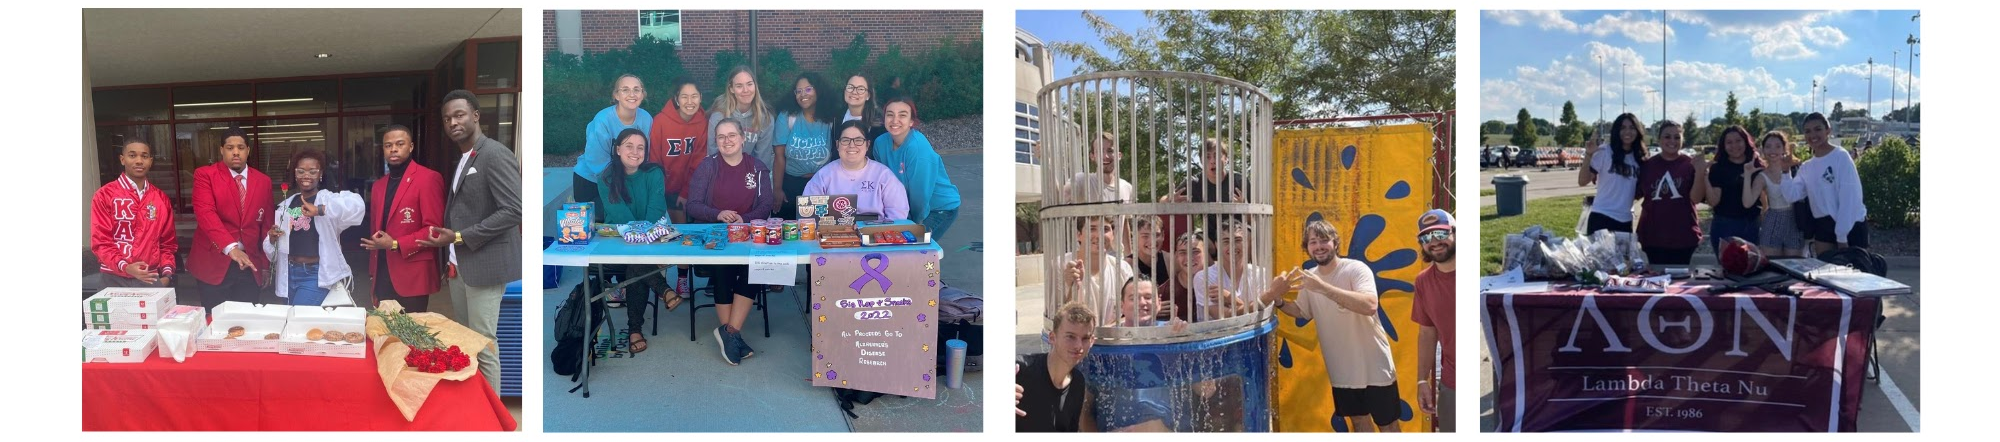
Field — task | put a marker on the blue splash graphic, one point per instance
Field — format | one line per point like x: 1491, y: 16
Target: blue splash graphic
x: 1398, y: 191
x: 1347, y: 157
x: 1299, y: 176
x: 1366, y: 231
x: 1285, y: 353
x: 1339, y: 425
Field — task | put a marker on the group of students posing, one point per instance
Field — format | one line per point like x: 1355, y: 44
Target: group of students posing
x: 426, y: 229
x: 1338, y: 294
x: 1755, y: 189
x: 640, y: 166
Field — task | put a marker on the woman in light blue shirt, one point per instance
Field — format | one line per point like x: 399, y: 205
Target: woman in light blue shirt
x: 628, y: 94
x: 802, y: 139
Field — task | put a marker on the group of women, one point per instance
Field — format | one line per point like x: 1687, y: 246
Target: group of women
x: 1755, y: 190
x: 641, y: 166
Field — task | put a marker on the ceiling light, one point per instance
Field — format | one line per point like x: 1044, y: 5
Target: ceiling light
x: 322, y: 56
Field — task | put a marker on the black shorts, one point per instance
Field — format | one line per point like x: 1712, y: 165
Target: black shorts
x: 1663, y: 256
x: 1823, y: 232
x: 1378, y: 401
x: 731, y: 281
x: 1599, y: 221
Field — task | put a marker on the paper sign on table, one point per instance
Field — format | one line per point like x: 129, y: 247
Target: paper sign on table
x: 567, y: 255
x: 773, y: 270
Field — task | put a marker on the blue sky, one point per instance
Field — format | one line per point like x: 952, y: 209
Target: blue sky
x: 1069, y: 26
x: 1539, y: 59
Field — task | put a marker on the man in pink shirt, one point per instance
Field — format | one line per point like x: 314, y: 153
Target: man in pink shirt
x: 1433, y: 314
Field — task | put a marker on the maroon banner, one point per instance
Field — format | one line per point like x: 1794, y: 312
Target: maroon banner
x: 1685, y: 360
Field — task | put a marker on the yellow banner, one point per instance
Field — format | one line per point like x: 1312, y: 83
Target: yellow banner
x: 1372, y: 183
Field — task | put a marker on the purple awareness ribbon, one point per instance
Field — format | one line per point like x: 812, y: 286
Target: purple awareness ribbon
x: 873, y: 273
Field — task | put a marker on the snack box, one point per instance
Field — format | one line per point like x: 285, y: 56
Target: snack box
x: 261, y: 324
x: 118, y: 346
x: 127, y: 307
x: 307, y: 328
x: 906, y: 234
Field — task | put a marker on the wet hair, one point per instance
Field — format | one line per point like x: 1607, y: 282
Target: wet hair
x: 471, y: 100
x: 1073, y: 312
x: 614, y: 177
x: 1619, y: 152
x: 319, y: 182
x: 1749, y: 149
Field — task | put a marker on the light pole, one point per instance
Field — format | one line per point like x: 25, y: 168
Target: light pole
x: 1600, y: 88
x: 1812, y: 96
x: 1892, y: 81
x: 1871, y: 87
x: 1623, y: 69
x: 1909, y: 76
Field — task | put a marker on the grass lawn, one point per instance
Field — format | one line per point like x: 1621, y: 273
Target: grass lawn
x: 1485, y: 192
x: 1558, y: 214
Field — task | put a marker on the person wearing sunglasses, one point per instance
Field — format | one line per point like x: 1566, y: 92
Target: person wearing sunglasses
x: 304, y: 243
x: 802, y: 138
x: 876, y: 189
x: 1432, y: 309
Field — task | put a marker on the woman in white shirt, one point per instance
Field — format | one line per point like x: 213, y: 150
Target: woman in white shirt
x: 1832, y: 187
x: 1780, y: 235
x: 1614, y: 168
x: 310, y: 263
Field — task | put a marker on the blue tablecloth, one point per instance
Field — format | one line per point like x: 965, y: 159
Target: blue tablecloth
x: 607, y: 250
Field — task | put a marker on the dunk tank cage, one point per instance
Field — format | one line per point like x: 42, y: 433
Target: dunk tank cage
x: 1196, y: 152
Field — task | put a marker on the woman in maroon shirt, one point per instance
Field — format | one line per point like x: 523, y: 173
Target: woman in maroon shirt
x: 731, y: 187
x: 1667, y: 229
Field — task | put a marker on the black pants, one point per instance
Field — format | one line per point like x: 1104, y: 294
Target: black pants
x: 1599, y: 221
x: 584, y: 190
x: 1823, y: 231
x: 639, y: 294
x: 794, y: 186
x: 237, y: 285
x: 385, y: 289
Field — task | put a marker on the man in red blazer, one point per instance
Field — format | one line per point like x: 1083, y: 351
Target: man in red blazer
x: 232, y: 212
x: 403, y: 207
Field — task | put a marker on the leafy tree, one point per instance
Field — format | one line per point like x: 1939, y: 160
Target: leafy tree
x: 1571, y: 133
x: 1494, y: 127
x: 1524, y: 138
x: 1315, y: 63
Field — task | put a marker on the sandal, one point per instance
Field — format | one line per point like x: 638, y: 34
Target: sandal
x: 672, y: 300
x: 638, y: 343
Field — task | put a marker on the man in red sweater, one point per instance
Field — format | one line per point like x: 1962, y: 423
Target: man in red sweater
x: 132, y: 225
x: 232, y: 211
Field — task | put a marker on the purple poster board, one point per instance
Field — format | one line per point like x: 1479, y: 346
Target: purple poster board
x: 874, y: 318
x: 1572, y: 360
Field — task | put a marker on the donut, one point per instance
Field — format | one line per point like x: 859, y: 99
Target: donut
x: 235, y: 331
x: 270, y: 336
x: 334, y: 336
x: 356, y: 338
x: 314, y: 334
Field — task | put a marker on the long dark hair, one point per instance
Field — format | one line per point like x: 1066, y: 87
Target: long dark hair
x: 1619, y: 152
x: 823, y: 110
x: 1749, y: 149
x: 867, y: 145
x: 614, y: 177
x: 870, y: 112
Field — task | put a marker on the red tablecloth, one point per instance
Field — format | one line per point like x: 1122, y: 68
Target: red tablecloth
x: 218, y: 391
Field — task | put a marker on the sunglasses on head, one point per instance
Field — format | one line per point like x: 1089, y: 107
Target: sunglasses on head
x: 1433, y: 236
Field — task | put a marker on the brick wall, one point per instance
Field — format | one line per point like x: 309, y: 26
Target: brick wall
x: 811, y: 35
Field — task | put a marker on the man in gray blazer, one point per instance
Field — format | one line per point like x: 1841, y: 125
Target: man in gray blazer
x: 483, y: 219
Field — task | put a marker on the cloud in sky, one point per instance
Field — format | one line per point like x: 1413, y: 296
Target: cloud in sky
x: 1629, y: 24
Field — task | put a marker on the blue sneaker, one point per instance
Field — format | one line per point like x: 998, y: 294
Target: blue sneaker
x: 722, y: 343
x: 737, y: 346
